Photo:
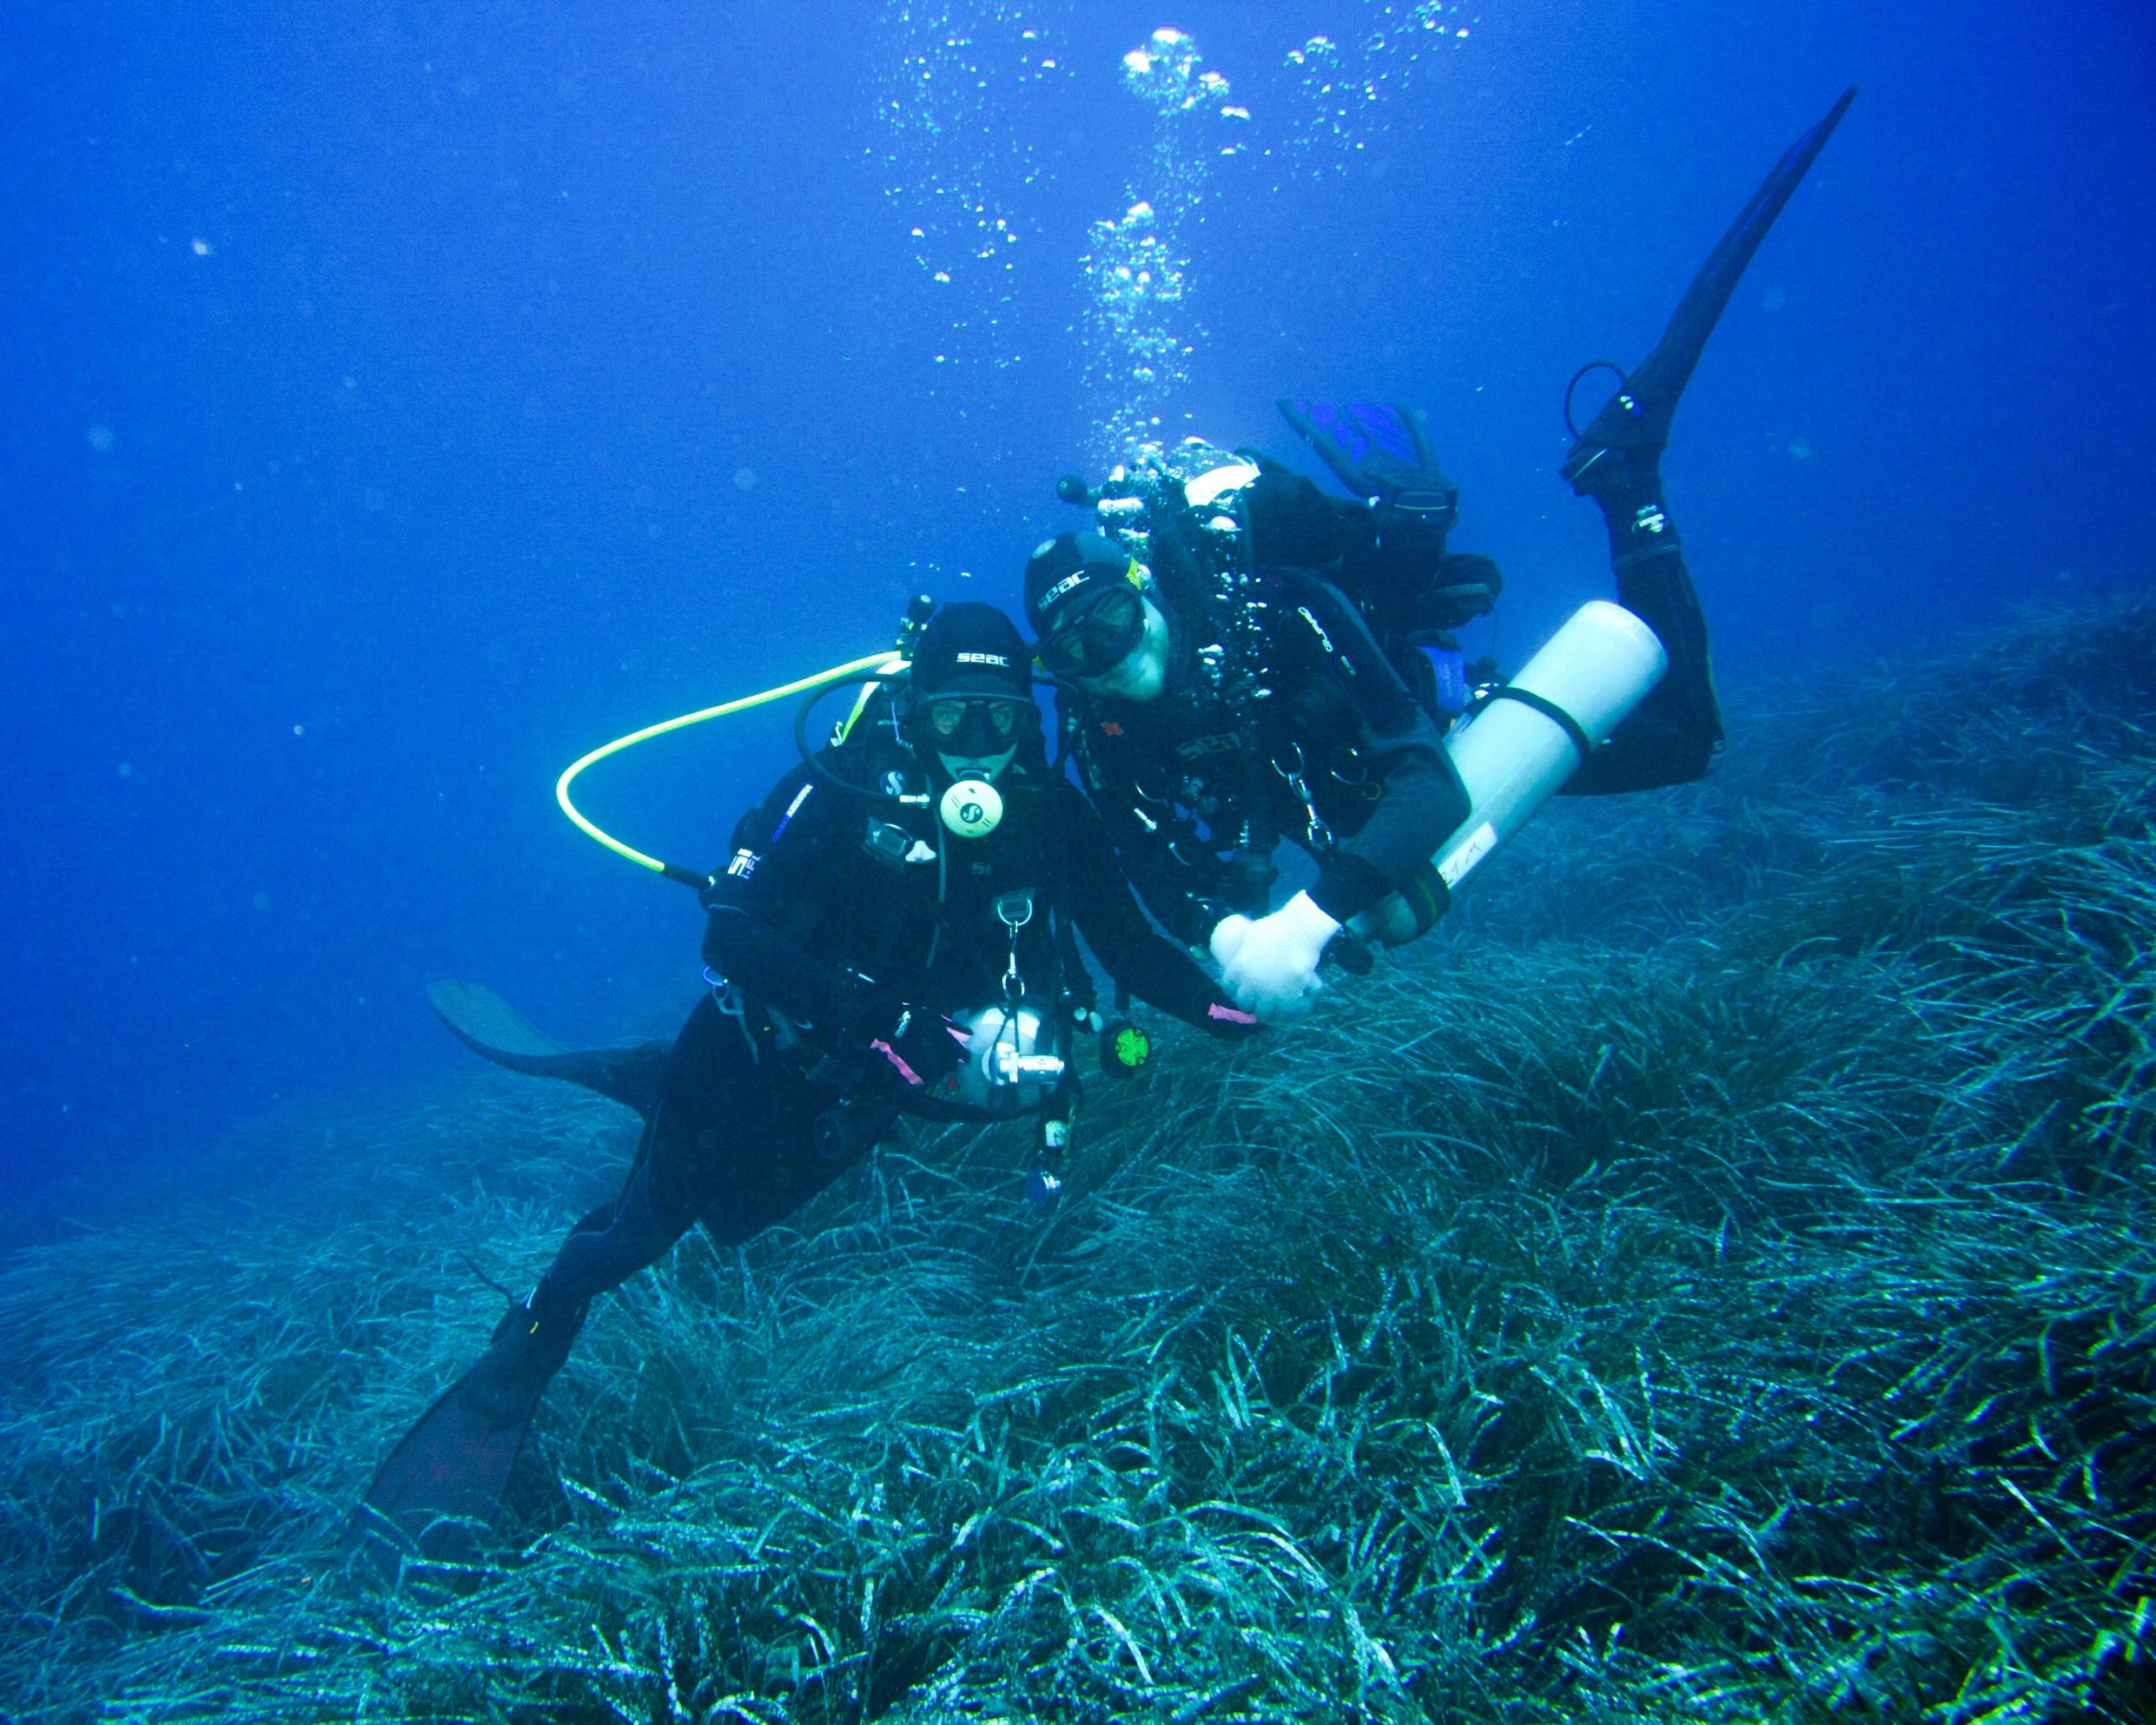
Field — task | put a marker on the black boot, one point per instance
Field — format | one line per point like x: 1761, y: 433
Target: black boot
x: 1673, y: 733
x: 529, y: 1344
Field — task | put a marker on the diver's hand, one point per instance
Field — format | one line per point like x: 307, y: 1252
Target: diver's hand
x: 1269, y: 967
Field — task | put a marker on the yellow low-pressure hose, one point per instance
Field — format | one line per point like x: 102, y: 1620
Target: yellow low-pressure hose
x: 837, y: 674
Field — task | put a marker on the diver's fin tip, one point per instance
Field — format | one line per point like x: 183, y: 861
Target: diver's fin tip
x: 486, y: 1024
x: 1636, y: 418
x: 495, y: 1031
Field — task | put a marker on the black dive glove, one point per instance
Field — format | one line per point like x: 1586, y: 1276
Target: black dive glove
x: 922, y: 1046
x: 1464, y: 587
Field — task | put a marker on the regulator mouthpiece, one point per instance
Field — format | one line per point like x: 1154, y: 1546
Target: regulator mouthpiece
x: 972, y: 808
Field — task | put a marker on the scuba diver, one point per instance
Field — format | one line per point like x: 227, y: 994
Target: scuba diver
x: 893, y: 935
x: 1241, y: 658
x: 1201, y: 747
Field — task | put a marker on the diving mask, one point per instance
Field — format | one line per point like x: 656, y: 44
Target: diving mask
x: 972, y: 724
x: 1092, y: 642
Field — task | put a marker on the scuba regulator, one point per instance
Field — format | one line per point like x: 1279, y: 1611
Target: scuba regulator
x: 970, y: 808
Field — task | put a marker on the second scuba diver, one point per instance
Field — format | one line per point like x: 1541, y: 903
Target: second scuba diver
x: 1241, y: 658
x: 893, y: 935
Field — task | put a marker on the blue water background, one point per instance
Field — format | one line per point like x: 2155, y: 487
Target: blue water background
x: 402, y: 399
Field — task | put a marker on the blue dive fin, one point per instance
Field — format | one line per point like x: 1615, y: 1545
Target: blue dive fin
x: 1377, y: 450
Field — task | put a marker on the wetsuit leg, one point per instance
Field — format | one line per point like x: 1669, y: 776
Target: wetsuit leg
x: 1617, y: 462
x: 1672, y: 735
x: 730, y: 1143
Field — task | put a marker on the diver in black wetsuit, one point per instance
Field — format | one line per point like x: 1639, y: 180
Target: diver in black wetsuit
x: 1243, y: 658
x: 893, y: 935
x: 1223, y: 695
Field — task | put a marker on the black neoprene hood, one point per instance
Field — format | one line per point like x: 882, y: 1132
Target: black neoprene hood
x: 1067, y: 566
x: 972, y: 649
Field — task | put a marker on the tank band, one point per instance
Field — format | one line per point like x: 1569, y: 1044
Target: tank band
x: 1428, y: 898
x: 1549, y: 710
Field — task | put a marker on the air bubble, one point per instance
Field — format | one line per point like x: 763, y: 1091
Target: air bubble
x: 1340, y: 80
x: 1138, y: 336
x: 956, y: 94
x: 958, y: 101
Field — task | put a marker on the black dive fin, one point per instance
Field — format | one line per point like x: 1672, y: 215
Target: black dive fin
x: 491, y: 1027
x: 1637, y: 417
x: 441, y: 1486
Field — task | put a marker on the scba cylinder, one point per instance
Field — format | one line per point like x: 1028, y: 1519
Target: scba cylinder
x: 1528, y: 738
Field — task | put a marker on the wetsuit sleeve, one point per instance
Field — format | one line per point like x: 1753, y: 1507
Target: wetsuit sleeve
x: 1130, y: 948
x: 1424, y: 800
x: 788, y: 864
x: 1172, y: 890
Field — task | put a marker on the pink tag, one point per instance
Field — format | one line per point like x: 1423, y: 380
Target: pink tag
x: 891, y: 1054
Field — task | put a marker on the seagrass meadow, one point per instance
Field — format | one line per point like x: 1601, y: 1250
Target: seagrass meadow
x: 1714, y: 1279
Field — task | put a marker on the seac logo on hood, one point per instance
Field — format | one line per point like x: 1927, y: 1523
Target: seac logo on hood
x: 1076, y: 578
x: 995, y: 659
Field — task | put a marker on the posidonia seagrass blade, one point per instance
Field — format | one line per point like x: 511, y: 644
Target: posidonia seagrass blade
x: 1716, y: 1282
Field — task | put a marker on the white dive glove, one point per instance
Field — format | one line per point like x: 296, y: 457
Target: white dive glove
x: 1269, y: 967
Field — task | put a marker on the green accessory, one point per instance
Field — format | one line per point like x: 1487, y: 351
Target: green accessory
x: 1125, y: 1048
